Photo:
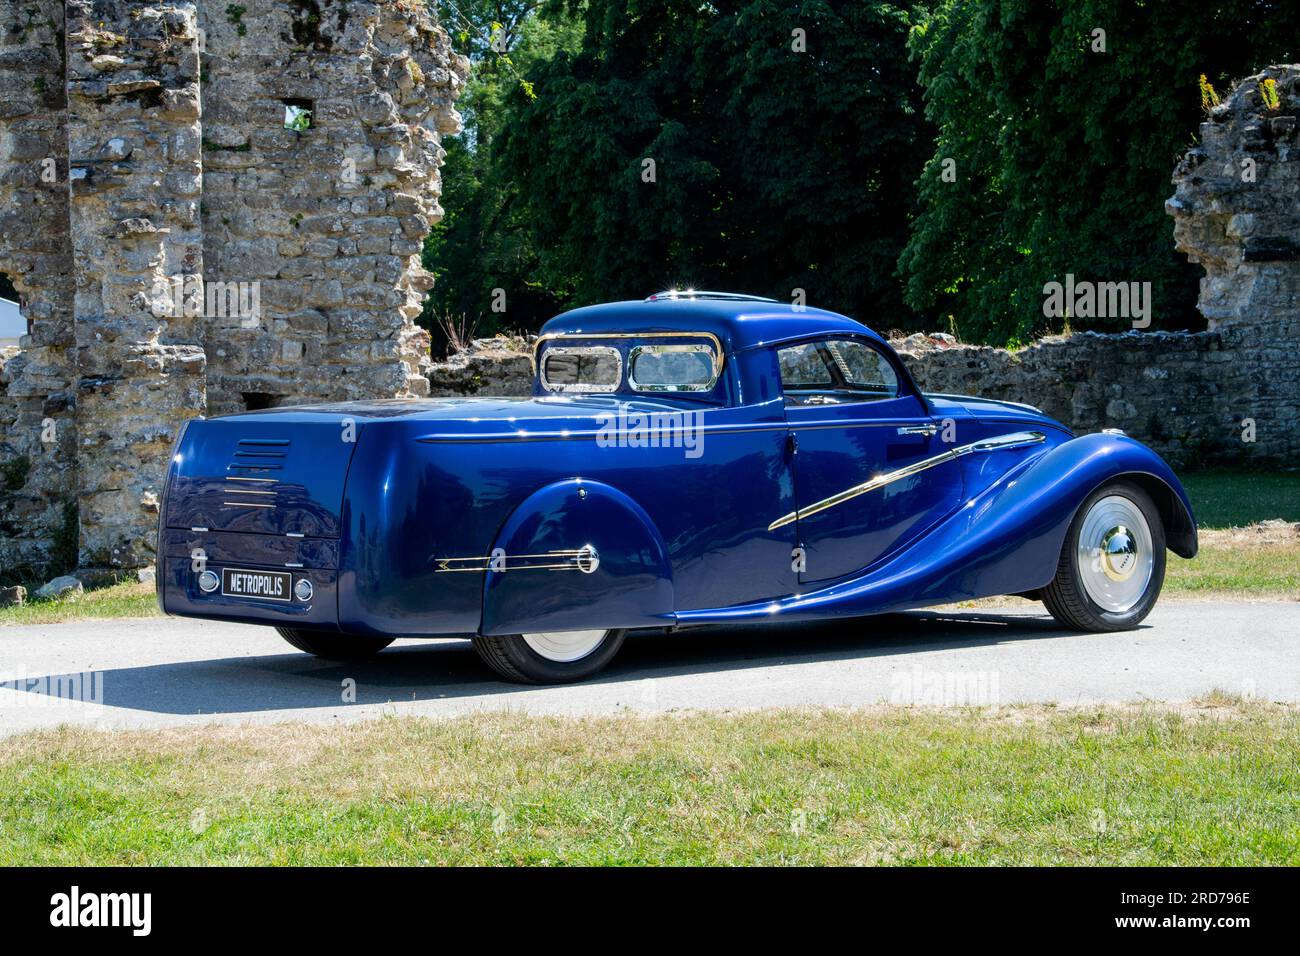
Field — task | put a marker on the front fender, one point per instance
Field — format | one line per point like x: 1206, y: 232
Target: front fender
x: 1005, y: 540
x: 1008, y: 539
x: 1106, y: 457
x: 533, y: 582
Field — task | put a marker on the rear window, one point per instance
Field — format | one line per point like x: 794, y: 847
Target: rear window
x: 587, y: 368
x: 672, y: 368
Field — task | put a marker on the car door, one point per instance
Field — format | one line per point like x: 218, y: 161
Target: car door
x: 869, y: 461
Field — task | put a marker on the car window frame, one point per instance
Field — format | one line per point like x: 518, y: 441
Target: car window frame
x: 723, y: 391
x: 580, y: 389
x: 659, y: 348
x: 904, y: 387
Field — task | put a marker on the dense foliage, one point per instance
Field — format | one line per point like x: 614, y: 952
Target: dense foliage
x: 483, y: 242
x: 1063, y: 153
x: 776, y: 169
x: 773, y: 170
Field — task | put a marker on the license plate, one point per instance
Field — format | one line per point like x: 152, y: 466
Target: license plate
x: 263, y: 585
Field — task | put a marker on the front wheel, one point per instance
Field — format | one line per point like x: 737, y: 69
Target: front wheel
x: 332, y: 646
x: 550, y: 657
x: 1112, y: 564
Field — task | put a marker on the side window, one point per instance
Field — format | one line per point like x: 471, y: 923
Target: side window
x: 832, y: 371
x: 802, y: 367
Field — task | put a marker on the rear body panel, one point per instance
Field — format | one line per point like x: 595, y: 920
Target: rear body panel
x: 260, y: 474
x: 258, y: 492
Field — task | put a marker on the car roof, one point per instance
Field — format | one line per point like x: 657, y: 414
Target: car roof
x: 739, y: 322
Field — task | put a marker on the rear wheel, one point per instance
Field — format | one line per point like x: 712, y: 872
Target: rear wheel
x: 550, y: 657
x: 1112, y: 564
x: 336, y: 647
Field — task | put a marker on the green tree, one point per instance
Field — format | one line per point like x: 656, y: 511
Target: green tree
x: 482, y: 243
x: 714, y: 145
x: 1063, y: 152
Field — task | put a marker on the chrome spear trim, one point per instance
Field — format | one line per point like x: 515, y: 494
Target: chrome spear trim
x: 998, y: 443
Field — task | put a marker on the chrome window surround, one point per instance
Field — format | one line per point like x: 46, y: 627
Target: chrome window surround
x: 580, y: 350
x: 697, y: 348
x: 544, y: 340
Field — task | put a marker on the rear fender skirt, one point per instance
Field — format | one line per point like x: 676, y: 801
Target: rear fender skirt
x: 576, y: 554
x: 1005, y: 540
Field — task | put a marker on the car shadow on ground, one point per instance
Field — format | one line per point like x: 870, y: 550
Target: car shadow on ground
x: 448, y: 669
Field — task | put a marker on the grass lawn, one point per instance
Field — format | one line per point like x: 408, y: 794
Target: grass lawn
x: 1217, y: 783
x: 1226, y: 571
x: 1228, y: 499
x: 120, y: 600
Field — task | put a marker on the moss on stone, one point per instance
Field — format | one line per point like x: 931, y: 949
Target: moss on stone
x: 235, y: 15
x: 14, y: 472
x: 63, y: 550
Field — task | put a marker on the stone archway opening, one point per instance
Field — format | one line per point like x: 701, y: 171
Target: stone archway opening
x: 255, y: 401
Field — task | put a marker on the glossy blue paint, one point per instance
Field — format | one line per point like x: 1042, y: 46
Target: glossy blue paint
x: 630, y: 585
x: 394, y: 509
x: 739, y: 325
x: 1003, y: 540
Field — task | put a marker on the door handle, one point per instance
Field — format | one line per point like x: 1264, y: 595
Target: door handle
x: 927, y: 430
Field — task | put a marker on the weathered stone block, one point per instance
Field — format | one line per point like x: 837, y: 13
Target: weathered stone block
x: 148, y: 189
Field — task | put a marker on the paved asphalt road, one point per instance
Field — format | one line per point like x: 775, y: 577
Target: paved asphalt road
x: 150, y: 673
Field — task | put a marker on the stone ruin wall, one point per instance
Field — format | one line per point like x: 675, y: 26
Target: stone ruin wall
x: 1188, y: 395
x: 329, y: 221
x: 135, y: 180
x: 1245, y: 231
x: 1181, y: 393
x: 164, y: 122
x: 38, y: 384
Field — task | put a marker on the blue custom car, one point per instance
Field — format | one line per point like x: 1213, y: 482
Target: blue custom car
x: 695, y: 458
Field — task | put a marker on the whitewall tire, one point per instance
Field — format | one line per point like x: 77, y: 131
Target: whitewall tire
x: 1112, y: 565
x: 550, y: 657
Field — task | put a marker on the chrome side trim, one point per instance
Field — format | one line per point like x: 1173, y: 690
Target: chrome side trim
x: 998, y: 443
x: 734, y: 429
x: 584, y: 559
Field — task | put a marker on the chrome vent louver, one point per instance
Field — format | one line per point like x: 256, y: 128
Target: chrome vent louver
x: 247, y: 477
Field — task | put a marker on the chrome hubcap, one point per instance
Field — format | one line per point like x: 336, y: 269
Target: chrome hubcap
x: 564, y: 646
x: 1118, y: 554
x: 1115, y: 554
